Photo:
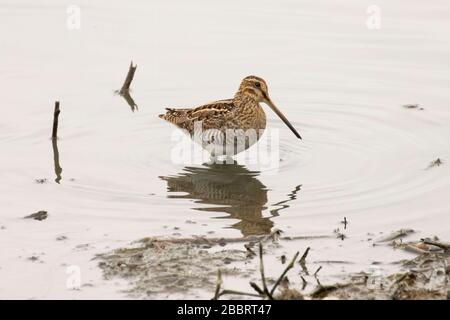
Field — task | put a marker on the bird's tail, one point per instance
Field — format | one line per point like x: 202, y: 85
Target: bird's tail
x: 174, y: 115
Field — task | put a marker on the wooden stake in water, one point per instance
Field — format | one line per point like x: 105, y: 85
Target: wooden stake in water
x: 58, y: 169
x: 55, y: 121
x: 125, y: 90
x: 126, y: 85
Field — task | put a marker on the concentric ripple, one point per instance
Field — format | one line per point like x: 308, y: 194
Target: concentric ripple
x: 362, y: 158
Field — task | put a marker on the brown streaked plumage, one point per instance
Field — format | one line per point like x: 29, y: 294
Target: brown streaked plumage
x: 238, y: 115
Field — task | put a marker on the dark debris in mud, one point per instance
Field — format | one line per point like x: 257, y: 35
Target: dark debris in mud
x: 435, y: 163
x: 427, y: 276
x: 40, y: 215
x: 413, y: 106
x: 424, y: 277
x: 34, y: 258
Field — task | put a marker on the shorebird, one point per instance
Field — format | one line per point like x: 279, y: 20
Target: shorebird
x: 227, y: 127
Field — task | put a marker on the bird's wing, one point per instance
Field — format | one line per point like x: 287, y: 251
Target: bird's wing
x: 212, y: 115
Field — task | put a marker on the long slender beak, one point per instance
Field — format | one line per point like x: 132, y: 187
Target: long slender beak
x: 281, y: 115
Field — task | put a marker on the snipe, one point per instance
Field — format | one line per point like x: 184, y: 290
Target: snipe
x: 227, y: 127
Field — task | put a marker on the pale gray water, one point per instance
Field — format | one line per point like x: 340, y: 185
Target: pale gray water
x: 363, y: 156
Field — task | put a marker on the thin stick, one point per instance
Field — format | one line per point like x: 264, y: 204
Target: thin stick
x: 55, y: 120
x: 304, y: 283
x: 305, y: 254
x: 218, y: 285
x: 261, y: 269
x: 257, y: 288
x: 249, y: 250
x: 238, y: 293
x: 317, y: 271
x: 345, y: 222
x: 288, y: 267
x: 128, y: 79
x: 441, y: 245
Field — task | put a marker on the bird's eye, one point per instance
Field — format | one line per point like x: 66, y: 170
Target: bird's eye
x: 257, y: 84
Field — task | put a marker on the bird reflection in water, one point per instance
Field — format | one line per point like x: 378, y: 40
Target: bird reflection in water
x: 230, y: 189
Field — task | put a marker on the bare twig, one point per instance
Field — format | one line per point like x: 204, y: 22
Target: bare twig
x: 257, y: 288
x: 305, y: 254
x: 345, y: 222
x: 288, y: 267
x: 445, y: 246
x: 261, y: 269
x: 218, y: 285
x: 219, y: 293
x: 261, y: 292
x: 317, y: 271
x: 128, y: 79
x: 55, y: 120
x: 57, y: 166
x: 304, y: 283
x: 240, y: 293
x: 125, y: 90
x: 250, y: 252
x: 302, y: 261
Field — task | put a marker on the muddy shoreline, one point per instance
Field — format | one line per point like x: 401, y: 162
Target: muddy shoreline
x: 159, y: 266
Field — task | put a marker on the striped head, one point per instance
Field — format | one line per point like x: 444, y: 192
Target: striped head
x: 256, y: 88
